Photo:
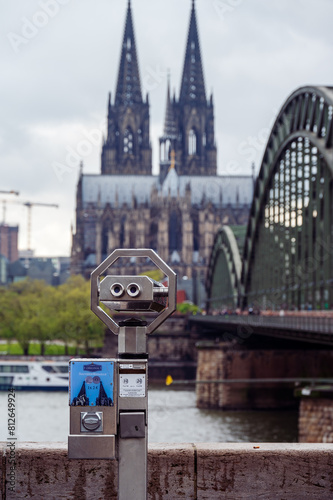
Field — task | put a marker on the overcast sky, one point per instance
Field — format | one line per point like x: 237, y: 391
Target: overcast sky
x: 59, y: 60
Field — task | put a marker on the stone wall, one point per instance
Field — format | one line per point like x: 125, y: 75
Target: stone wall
x: 172, y: 350
x: 161, y: 347
x: 189, y: 472
x: 316, y: 421
x: 171, y: 341
x: 225, y: 361
x: 171, y: 347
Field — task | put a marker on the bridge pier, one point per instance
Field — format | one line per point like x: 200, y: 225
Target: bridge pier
x: 229, y: 361
x: 315, y: 422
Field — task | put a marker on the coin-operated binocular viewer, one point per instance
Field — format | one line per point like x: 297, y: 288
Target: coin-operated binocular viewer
x: 108, y: 397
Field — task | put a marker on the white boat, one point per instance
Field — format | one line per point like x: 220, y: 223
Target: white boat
x: 34, y: 375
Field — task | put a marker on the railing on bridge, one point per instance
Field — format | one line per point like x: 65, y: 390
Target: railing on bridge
x: 302, y: 328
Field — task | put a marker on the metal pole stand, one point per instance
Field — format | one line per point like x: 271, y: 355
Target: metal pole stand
x: 132, y: 294
x: 133, y: 411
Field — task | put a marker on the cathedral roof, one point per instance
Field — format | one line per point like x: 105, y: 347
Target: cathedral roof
x: 219, y: 190
x: 170, y: 184
x: 193, y: 84
x: 128, y: 87
x: 121, y: 189
x: 117, y: 189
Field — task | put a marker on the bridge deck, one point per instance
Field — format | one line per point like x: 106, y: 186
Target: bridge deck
x: 317, y: 330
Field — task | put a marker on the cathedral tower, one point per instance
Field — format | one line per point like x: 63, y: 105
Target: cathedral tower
x: 189, y: 122
x: 177, y: 214
x: 127, y: 149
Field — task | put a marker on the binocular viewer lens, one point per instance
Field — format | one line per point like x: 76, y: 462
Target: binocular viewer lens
x: 133, y: 290
x: 117, y: 290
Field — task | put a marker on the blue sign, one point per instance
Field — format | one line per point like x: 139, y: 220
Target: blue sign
x: 90, y: 383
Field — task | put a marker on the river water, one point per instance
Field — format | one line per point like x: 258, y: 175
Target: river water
x: 173, y: 418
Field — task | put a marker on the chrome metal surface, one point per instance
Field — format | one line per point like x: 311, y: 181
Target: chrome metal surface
x: 97, y: 288
x: 91, y: 447
x: 91, y: 421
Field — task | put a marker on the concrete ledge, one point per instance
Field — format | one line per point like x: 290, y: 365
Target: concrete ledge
x: 183, y: 471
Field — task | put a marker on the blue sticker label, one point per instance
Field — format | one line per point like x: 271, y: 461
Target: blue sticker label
x: 92, y: 368
x: 91, y: 384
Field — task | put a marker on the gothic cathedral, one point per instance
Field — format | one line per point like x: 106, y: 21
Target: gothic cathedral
x: 178, y: 212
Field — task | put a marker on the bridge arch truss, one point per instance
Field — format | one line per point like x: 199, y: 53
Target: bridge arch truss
x: 288, y: 252
x: 224, y: 272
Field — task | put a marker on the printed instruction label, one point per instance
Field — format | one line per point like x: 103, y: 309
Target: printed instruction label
x: 132, y: 385
x: 91, y: 383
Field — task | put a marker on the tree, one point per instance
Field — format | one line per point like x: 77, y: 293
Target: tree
x: 76, y: 323
x: 32, y: 310
x: 7, y: 314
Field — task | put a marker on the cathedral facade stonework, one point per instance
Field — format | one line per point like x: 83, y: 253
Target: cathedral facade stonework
x: 178, y: 212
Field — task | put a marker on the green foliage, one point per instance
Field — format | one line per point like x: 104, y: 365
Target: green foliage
x: 33, y: 311
x: 188, y: 308
x: 14, y: 349
x: 154, y: 274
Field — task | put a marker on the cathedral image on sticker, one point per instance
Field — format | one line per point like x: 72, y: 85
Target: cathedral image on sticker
x: 178, y: 212
x: 91, y: 384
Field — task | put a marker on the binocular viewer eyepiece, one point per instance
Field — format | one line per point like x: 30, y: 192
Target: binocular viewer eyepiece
x: 118, y: 290
x: 130, y: 294
x: 133, y: 293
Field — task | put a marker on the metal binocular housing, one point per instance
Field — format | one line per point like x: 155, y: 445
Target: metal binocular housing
x: 133, y: 293
x: 130, y: 294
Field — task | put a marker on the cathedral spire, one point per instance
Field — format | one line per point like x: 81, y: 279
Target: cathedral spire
x: 170, y: 129
x: 193, y: 84
x: 128, y: 86
x: 127, y: 149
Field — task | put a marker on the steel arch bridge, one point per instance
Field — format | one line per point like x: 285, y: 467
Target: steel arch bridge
x: 225, y: 262
x: 288, y: 253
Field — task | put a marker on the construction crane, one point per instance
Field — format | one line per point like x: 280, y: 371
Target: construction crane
x: 29, y: 205
x: 4, y: 202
